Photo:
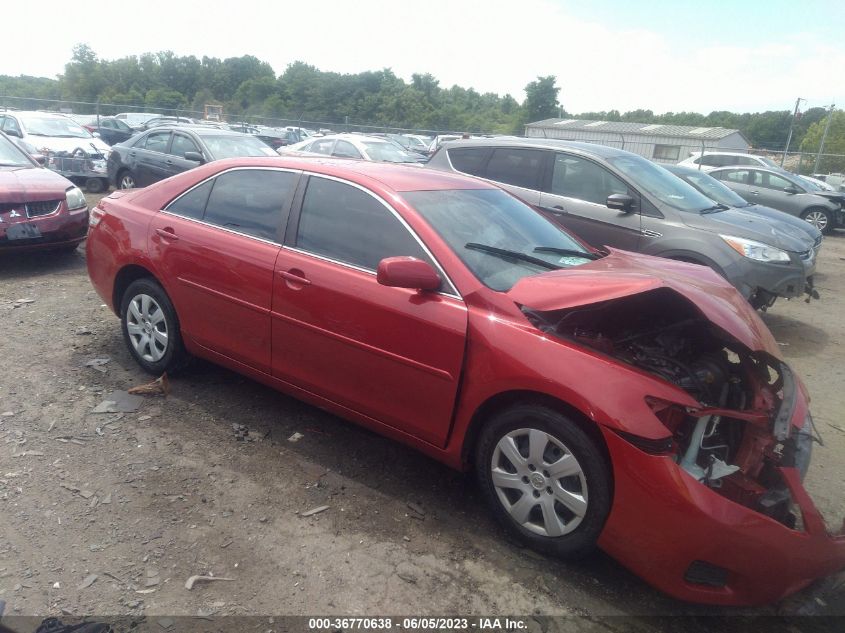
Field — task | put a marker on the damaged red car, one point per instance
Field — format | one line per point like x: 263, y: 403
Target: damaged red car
x: 39, y: 209
x: 602, y: 398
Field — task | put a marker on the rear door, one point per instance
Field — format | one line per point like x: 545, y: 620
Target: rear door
x: 576, y: 197
x: 216, y: 246
x: 740, y: 181
x: 392, y: 354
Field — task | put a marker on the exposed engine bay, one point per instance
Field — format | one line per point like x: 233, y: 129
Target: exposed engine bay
x: 739, y: 437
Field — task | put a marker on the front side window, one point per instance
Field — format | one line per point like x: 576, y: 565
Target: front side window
x: 182, y: 144
x: 667, y: 152
x: 518, y: 167
x: 582, y: 179
x: 157, y: 142
x: 773, y: 181
x: 345, y: 149
x: 343, y: 223
x: 9, y: 124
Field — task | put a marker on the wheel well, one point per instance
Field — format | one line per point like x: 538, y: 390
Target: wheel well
x: 126, y: 276
x: 509, y: 398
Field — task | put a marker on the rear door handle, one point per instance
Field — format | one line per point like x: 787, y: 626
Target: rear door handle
x: 167, y: 234
x: 294, y: 277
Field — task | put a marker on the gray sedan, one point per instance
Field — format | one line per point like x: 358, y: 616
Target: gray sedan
x: 615, y: 198
x: 785, y: 192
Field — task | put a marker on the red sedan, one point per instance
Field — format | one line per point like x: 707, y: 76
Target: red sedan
x: 601, y: 397
x: 39, y: 209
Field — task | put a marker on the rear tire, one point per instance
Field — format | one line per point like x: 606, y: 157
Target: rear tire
x: 151, y: 328
x: 819, y: 218
x: 545, y: 479
x: 96, y: 185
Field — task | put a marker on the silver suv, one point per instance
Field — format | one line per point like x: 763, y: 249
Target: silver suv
x: 610, y: 197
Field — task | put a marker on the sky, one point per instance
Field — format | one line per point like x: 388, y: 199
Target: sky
x: 662, y: 55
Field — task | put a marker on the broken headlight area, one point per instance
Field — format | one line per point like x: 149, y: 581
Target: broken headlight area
x: 740, y: 436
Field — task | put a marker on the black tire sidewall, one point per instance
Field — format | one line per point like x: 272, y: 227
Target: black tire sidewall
x: 174, y: 356
x: 581, y: 541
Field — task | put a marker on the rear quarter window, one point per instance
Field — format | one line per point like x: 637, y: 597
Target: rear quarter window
x: 469, y: 160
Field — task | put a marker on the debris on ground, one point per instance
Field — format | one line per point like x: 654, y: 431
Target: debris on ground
x: 241, y: 433
x: 119, y: 402
x: 83, y: 331
x: 417, y: 509
x: 295, y: 437
x: 159, y: 386
x: 314, y: 511
x: 89, y: 580
x: 97, y: 363
x: 22, y: 302
x: 189, y: 584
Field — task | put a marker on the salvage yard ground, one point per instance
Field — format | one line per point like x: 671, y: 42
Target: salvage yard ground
x: 111, y: 513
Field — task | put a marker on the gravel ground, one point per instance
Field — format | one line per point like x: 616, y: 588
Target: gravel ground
x: 111, y: 513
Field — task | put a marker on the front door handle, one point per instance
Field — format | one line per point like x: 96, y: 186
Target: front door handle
x: 755, y: 193
x: 167, y: 234
x: 294, y: 277
x: 556, y: 210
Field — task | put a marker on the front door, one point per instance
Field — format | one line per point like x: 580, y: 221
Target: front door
x: 577, y: 199
x: 392, y: 354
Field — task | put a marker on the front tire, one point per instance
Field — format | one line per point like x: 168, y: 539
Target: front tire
x: 545, y: 479
x: 126, y: 180
x: 819, y: 218
x: 151, y: 328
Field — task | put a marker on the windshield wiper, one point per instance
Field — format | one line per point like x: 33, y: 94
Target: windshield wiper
x: 508, y: 254
x: 566, y: 251
x: 715, y: 208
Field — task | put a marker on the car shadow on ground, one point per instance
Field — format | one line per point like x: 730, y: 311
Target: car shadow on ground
x: 802, y: 338
x: 27, y: 263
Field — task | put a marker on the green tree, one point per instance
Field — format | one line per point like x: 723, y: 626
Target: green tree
x: 541, y: 99
x: 833, y: 144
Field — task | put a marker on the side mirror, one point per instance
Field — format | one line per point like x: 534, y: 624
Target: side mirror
x: 14, y: 133
x: 791, y: 190
x: 194, y: 156
x: 621, y: 202
x: 407, y: 272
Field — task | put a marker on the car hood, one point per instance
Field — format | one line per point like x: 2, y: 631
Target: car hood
x: 62, y: 144
x: 622, y: 274
x: 833, y: 196
x: 741, y: 223
x: 784, y: 218
x: 31, y: 184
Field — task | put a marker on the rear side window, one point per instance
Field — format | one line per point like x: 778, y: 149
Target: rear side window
x: 192, y: 204
x: 518, y: 167
x: 251, y: 201
x: 469, y: 160
x: 734, y: 175
x: 712, y: 160
x: 345, y: 224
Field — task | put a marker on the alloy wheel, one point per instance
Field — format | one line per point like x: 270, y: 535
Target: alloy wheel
x: 539, y: 482
x: 147, y: 327
x: 818, y: 219
x: 127, y: 181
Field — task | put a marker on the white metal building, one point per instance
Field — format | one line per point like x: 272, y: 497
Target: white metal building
x: 658, y: 142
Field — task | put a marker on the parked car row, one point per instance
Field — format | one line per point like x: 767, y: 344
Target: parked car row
x: 611, y: 197
x: 578, y: 382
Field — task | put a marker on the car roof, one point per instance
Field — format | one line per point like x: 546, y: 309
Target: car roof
x: 593, y: 149
x: 199, y: 130
x: 397, y: 177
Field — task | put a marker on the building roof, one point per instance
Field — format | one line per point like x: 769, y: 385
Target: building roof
x: 643, y: 129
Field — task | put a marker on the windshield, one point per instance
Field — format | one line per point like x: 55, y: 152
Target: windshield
x: 58, y: 126
x: 661, y: 184
x: 11, y: 155
x: 496, y: 235
x: 714, y: 189
x: 232, y: 146
x: 388, y: 152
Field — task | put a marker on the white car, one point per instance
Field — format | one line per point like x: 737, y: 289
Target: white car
x: 711, y: 160
x: 135, y: 119
x: 352, y: 146
x: 69, y: 148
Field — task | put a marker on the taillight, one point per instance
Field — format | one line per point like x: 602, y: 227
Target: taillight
x: 97, y: 214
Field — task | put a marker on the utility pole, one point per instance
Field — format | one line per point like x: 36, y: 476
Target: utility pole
x: 791, y: 125
x: 824, y: 138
